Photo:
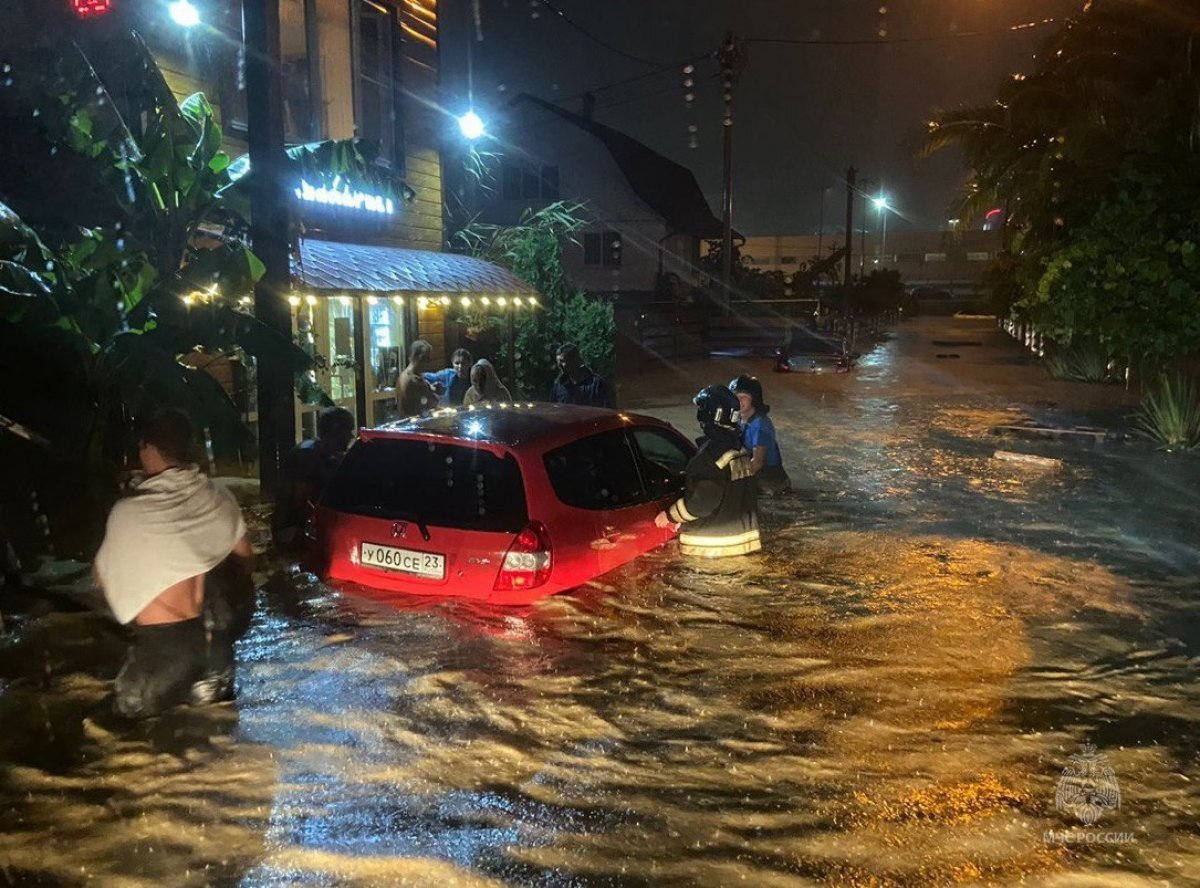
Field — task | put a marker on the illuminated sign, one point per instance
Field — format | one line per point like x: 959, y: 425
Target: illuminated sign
x: 86, y: 8
x: 346, y: 198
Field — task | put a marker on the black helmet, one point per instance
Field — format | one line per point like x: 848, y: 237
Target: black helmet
x: 751, y: 386
x: 717, y: 406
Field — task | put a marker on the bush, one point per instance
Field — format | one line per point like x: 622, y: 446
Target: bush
x: 1086, y: 361
x: 1170, y: 413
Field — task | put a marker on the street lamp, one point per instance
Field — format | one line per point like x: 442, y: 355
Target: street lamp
x: 184, y: 14
x: 881, y: 205
x: 471, y: 125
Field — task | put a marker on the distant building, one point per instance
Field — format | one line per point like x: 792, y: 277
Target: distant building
x: 647, y: 214
x: 944, y: 260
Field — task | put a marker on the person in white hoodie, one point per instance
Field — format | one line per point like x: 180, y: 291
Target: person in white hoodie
x: 175, y: 563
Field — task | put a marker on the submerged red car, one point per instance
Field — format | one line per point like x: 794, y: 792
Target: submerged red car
x: 506, y: 503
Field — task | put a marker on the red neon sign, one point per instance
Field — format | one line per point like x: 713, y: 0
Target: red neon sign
x: 88, y: 8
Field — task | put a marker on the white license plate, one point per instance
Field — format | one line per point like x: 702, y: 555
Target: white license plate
x: 421, y: 564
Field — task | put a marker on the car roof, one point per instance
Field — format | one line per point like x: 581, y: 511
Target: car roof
x: 511, y: 424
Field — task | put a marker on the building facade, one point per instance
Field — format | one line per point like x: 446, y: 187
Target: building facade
x: 646, y: 215
x: 369, y: 275
x: 952, y: 261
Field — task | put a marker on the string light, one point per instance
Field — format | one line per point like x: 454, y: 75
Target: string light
x: 310, y: 299
x: 371, y: 300
x: 399, y: 300
x: 294, y: 301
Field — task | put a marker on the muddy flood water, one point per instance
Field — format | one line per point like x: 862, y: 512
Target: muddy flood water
x: 887, y: 696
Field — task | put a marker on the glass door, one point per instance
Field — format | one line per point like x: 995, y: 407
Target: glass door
x: 385, y: 345
x: 343, y: 355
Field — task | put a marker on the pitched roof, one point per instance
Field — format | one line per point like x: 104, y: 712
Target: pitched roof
x: 665, y: 186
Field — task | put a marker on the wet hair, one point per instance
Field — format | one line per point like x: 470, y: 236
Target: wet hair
x: 334, y: 419
x: 171, y: 433
x: 421, y: 349
x: 461, y: 353
x: 567, y: 349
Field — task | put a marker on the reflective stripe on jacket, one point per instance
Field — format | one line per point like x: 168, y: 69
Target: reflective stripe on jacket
x: 718, y: 511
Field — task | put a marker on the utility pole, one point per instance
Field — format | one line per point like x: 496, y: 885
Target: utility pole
x: 850, y: 174
x: 821, y: 222
x: 731, y: 58
x: 269, y: 230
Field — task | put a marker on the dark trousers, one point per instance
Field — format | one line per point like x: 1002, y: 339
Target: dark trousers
x: 772, y: 481
x: 191, y: 661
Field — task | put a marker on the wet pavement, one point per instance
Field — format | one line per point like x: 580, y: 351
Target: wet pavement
x: 888, y: 695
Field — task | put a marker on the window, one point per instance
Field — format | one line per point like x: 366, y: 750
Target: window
x: 446, y: 485
x: 935, y: 257
x: 981, y: 256
x: 602, y: 248
x: 296, y: 75
x: 599, y: 472
x: 664, y: 461
x: 787, y: 260
x: 521, y: 181
x: 375, y: 74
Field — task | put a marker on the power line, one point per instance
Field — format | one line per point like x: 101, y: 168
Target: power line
x: 885, y: 41
x: 673, y: 67
x: 598, y: 40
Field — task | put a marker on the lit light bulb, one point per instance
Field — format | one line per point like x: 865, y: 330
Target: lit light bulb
x: 184, y: 14
x: 471, y: 125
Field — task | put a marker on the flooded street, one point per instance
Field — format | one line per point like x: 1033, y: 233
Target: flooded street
x: 887, y: 696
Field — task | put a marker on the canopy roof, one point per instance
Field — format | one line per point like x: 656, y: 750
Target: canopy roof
x: 328, y: 265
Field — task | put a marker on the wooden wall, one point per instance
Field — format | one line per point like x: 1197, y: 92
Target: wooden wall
x: 423, y: 122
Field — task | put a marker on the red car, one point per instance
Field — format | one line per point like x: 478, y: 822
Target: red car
x: 506, y: 503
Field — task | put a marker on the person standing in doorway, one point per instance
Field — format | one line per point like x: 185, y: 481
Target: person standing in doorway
x: 758, y: 434
x: 577, y: 383
x: 413, y: 394
x: 451, y: 384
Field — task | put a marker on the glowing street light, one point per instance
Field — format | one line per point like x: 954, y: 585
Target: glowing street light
x: 184, y: 14
x: 471, y: 125
x: 881, y: 204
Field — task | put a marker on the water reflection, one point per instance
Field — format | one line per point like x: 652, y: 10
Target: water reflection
x: 887, y: 696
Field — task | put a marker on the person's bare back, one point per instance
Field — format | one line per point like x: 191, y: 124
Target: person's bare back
x: 413, y: 394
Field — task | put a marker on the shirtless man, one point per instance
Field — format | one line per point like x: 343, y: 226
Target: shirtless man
x: 414, y: 394
x: 175, y: 562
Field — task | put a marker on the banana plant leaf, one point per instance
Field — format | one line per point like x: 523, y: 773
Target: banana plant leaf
x: 330, y: 164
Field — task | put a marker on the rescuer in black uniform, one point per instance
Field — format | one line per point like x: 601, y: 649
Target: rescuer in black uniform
x: 718, y: 512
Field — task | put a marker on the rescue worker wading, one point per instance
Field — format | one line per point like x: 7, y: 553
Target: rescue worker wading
x: 718, y: 512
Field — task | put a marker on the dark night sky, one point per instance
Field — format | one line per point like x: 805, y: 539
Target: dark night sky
x: 803, y: 113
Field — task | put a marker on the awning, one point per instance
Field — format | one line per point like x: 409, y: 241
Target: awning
x: 328, y: 265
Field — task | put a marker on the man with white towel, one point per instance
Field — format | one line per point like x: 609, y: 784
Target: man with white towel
x: 175, y: 563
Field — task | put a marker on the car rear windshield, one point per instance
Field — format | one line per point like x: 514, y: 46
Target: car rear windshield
x: 443, y: 485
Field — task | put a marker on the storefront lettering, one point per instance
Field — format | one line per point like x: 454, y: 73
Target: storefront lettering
x: 351, y: 200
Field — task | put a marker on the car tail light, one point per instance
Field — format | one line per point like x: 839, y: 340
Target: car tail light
x: 527, y: 561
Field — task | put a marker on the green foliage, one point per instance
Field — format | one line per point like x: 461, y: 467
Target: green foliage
x: 1131, y: 275
x: 746, y: 281
x: 1093, y: 153
x: 146, y: 261
x: 1170, y: 413
x: 532, y: 250
x: 1001, y: 283
x: 1087, y: 360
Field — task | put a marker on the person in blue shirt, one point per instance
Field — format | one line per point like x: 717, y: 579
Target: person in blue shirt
x: 577, y: 384
x: 452, y: 383
x: 758, y: 432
